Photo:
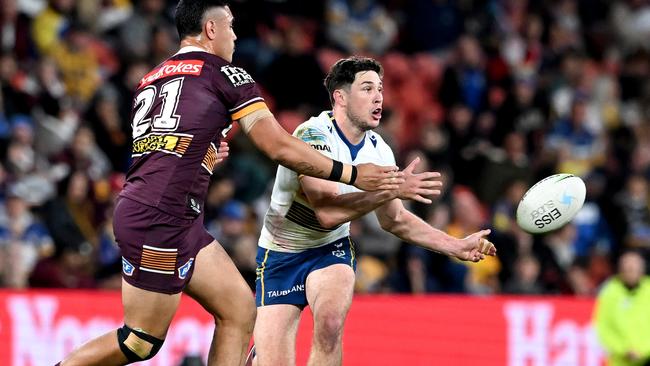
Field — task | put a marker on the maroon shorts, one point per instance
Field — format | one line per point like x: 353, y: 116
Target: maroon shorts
x: 158, y: 250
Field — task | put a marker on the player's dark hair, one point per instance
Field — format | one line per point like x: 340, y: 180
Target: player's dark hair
x: 343, y: 72
x: 189, y: 15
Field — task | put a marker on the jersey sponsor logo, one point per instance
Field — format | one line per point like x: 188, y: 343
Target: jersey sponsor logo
x: 314, y: 138
x: 158, y: 260
x: 295, y: 288
x: 127, y: 268
x: 171, y: 68
x: 185, y: 269
x: 171, y: 143
x: 237, y: 75
x: 321, y: 147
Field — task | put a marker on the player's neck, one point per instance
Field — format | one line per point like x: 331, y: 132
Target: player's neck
x: 196, y: 42
x: 353, y: 133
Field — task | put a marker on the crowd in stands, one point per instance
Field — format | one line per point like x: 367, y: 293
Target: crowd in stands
x: 494, y: 94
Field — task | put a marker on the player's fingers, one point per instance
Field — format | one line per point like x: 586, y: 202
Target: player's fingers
x: 388, y: 169
x: 429, y: 176
x: 428, y: 192
x: 421, y: 199
x: 430, y: 184
x: 387, y: 187
x: 412, y: 165
x: 492, y: 251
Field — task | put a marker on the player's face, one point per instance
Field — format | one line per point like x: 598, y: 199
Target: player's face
x: 224, y: 40
x: 365, y: 100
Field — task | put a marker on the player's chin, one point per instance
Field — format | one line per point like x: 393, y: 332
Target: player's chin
x: 373, y: 121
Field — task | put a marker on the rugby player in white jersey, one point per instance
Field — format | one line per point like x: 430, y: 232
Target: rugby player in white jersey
x: 305, y: 255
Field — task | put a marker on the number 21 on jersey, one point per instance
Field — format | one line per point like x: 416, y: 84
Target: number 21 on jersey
x: 166, y: 119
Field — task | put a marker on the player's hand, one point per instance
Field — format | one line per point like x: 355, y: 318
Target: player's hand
x: 371, y: 177
x: 222, y: 151
x: 417, y: 186
x: 475, y: 247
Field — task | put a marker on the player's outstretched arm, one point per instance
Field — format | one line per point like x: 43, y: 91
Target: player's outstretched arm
x: 277, y: 144
x: 332, y: 208
x: 396, y: 219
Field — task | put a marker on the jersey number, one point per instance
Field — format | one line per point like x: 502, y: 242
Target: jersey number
x: 167, y: 119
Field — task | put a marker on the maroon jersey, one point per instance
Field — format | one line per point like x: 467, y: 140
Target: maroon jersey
x: 180, y: 110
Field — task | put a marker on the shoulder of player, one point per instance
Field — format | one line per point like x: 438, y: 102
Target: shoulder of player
x: 315, y: 124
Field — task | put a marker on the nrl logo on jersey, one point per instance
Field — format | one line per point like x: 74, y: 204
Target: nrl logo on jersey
x: 237, y: 75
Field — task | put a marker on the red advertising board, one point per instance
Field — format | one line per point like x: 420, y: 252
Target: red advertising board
x: 39, y: 327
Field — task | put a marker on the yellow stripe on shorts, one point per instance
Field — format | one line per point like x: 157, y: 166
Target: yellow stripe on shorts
x: 266, y: 256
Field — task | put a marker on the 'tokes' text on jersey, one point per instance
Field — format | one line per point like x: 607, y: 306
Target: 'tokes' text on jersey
x: 180, y: 111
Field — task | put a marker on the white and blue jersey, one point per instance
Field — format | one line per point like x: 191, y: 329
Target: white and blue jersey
x: 290, y: 224
x: 292, y: 242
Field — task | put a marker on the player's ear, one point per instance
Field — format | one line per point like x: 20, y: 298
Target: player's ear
x: 339, y: 97
x: 210, y: 29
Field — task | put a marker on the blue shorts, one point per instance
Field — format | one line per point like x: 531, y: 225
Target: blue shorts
x: 281, y: 276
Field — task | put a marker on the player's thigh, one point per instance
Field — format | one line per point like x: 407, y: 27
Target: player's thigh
x: 276, y: 327
x: 147, y: 310
x: 218, y: 286
x: 329, y: 292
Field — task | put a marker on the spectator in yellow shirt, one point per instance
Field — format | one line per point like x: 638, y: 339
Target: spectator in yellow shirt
x: 622, y: 314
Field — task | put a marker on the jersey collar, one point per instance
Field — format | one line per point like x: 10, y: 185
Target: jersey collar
x: 354, y: 149
x: 187, y: 49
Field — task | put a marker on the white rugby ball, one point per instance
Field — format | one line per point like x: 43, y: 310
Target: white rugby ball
x: 551, y: 203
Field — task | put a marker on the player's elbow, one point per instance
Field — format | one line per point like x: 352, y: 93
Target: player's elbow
x: 327, y: 220
x: 388, y: 222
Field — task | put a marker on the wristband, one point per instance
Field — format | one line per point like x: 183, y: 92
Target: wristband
x: 353, y: 176
x: 337, y: 171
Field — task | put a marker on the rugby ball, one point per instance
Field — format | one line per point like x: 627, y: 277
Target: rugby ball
x: 551, y: 203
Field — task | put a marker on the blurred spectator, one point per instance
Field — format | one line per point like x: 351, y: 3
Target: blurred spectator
x: 23, y: 241
x: 70, y: 267
x: 72, y: 216
x: 83, y: 154
x: 631, y: 21
x: 360, y: 26
x: 526, y: 277
x: 633, y: 203
x: 556, y: 254
x: 593, y: 232
x: 578, y: 149
x: 78, y: 62
x: 464, y: 80
x: 622, y: 306
x: 296, y: 53
x: 105, y: 120
x: 14, y: 31
x: 144, y: 35
x: 49, y: 24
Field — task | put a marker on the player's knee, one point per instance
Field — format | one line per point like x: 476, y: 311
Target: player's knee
x: 242, y: 314
x: 248, y: 313
x: 330, y: 325
x: 137, y: 345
